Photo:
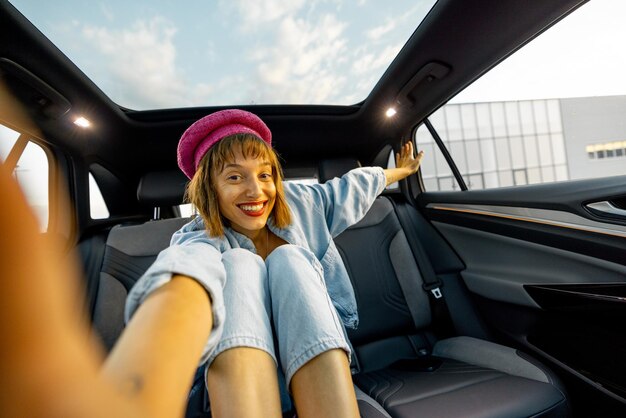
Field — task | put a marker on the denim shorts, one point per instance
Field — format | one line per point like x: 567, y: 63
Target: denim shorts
x: 280, y: 306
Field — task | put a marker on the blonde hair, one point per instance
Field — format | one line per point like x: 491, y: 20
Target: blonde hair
x: 201, y: 189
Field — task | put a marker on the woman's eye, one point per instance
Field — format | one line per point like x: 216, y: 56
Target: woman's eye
x: 266, y: 176
x: 233, y: 177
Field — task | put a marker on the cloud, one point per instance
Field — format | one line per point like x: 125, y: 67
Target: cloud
x: 367, y: 69
x: 106, y: 11
x: 142, y: 65
x: 254, y: 13
x: 302, y: 64
x: 289, y: 52
x: 379, y: 31
x: 310, y: 59
x: 371, y: 62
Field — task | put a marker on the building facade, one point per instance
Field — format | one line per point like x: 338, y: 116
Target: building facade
x: 500, y: 144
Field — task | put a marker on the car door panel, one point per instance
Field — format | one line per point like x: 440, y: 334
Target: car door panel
x: 500, y: 266
x: 546, y: 270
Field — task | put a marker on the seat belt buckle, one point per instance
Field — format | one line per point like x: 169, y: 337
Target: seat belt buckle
x: 434, y: 288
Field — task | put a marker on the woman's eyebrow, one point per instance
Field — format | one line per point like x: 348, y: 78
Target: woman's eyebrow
x: 235, y: 165
x: 230, y: 165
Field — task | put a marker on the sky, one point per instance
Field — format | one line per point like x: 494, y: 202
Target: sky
x: 166, y: 53
x: 582, y: 55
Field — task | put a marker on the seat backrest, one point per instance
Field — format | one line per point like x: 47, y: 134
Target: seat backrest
x: 378, y: 258
x: 128, y: 253
x: 115, y: 263
x: 329, y: 169
x: 376, y: 252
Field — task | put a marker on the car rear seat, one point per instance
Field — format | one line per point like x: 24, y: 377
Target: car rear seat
x: 129, y: 251
x: 403, y: 366
x: 114, y: 260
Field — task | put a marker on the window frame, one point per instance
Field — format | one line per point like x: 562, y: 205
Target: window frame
x: 456, y: 174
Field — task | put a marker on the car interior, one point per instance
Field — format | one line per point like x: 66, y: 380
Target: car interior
x: 469, y: 304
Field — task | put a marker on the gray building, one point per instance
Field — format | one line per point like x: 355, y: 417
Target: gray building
x: 595, y: 132
x: 500, y: 144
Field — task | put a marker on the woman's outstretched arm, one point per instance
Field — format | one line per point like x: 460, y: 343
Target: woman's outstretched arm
x: 52, y: 366
x: 406, y: 164
x: 154, y: 360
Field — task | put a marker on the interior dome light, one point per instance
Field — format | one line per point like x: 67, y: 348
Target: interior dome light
x: 82, y: 122
x: 390, y: 112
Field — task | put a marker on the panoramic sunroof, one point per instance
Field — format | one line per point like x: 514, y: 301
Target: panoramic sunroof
x: 153, y: 54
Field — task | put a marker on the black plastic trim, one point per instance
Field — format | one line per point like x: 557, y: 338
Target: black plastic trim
x: 604, y: 247
x: 585, y: 296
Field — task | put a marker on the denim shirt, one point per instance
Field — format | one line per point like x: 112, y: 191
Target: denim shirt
x: 319, y: 212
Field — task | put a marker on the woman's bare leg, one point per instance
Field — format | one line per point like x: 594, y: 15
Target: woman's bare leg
x: 323, y: 387
x: 243, y: 382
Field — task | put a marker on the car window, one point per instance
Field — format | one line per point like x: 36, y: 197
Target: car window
x: 8, y: 137
x: 187, y: 210
x: 496, y: 144
x: 97, y: 206
x: 539, y: 116
x: 30, y: 167
x: 307, y: 52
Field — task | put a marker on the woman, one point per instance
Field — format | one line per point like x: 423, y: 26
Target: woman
x: 263, y: 251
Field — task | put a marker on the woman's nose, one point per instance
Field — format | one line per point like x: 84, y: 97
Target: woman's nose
x: 253, y: 188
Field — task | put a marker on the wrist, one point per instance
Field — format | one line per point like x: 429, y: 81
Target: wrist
x: 407, y: 171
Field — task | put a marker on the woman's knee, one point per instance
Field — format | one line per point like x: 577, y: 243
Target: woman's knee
x: 241, y: 257
x: 287, y: 251
x: 243, y: 347
x: 237, y: 356
x: 243, y: 265
x: 290, y: 257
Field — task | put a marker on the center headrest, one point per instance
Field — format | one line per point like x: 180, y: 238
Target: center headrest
x: 331, y: 168
x: 162, y: 188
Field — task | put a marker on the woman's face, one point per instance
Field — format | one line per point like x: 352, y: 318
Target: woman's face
x: 246, y: 193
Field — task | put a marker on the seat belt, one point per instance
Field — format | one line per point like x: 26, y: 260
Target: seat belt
x: 441, y: 320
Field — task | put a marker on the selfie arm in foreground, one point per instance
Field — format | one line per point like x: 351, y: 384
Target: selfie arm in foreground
x: 53, y: 367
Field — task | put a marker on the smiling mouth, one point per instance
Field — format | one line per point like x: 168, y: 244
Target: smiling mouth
x: 253, y: 209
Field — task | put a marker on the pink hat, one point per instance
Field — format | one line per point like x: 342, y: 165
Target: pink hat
x: 205, y: 132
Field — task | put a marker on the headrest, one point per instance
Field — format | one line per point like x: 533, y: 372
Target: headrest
x: 162, y: 188
x: 331, y: 168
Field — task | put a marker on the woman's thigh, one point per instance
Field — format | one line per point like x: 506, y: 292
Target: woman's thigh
x: 247, y: 303
x: 306, y: 322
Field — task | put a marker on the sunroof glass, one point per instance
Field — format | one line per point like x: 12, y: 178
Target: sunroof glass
x: 164, y: 54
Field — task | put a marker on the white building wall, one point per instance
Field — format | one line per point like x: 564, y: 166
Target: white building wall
x: 590, y: 121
